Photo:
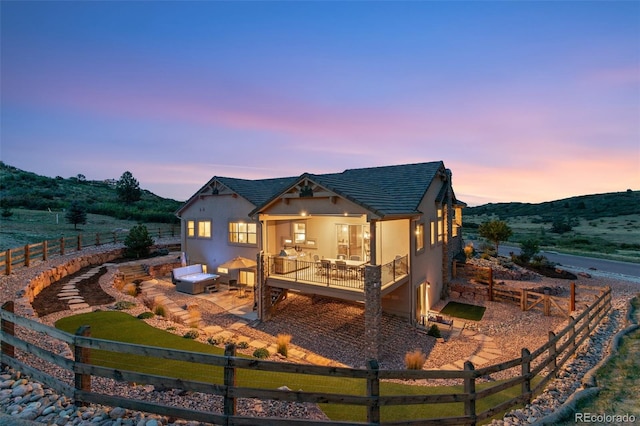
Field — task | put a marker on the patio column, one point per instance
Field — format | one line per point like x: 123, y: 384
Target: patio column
x: 372, y: 312
x: 372, y: 242
x: 262, y: 290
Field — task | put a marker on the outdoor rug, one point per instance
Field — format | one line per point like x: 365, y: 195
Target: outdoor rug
x: 464, y: 311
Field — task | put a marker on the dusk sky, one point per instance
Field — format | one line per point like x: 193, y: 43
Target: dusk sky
x: 523, y: 101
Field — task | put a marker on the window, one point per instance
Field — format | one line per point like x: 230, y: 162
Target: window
x: 433, y: 233
x: 440, y: 226
x: 299, y: 233
x: 191, y: 228
x: 242, y: 233
x: 204, y: 229
x: 419, y: 236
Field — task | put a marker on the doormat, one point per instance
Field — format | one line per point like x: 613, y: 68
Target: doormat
x: 464, y: 311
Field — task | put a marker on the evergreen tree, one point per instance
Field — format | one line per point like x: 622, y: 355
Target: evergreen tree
x: 128, y: 188
x: 77, y: 214
x: 138, y: 242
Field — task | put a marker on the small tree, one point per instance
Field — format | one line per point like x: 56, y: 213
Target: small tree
x: 495, y: 231
x: 128, y: 188
x: 528, y: 249
x: 77, y: 214
x: 138, y: 242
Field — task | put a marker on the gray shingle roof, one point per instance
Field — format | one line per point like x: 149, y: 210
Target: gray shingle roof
x: 386, y: 190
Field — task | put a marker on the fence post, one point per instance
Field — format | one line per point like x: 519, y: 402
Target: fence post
x: 115, y: 238
x: 45, y: 250
x: 79, y: 247
x: 547, y: 304
x: 82, y: 355
x: 572, y: 334
x: 27, y: 256
x: 97, y: 238
x: 8, y: 329
x: 572, y: 301
x: 62, y: 246
x: 159, y: 232
x: 7, y: 262
x: 553, y: 352
x: 229, y: 381
x: 526, y: 374
x: 523, y: 299
x: 490, y: 285
x: 373, y: 391
x: 470, y: 389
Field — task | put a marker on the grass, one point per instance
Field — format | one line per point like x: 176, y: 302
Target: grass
x: 35, y: 226
x: 614, y: 238
x: 119, y: 326
x: 464, y: 311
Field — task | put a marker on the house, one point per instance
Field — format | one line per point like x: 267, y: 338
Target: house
x: 385, y: 236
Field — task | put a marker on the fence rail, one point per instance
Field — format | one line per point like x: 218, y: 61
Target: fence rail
x: 543, y: 362
x: 25, y: 255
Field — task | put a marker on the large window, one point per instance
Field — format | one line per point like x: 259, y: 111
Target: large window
x: 440, y: 226
x: 433, y: 233
x: 299, y: 232
x: 419, y: 236
x: 191, y: 228
x: 204, y: 229
x: 242, y: 233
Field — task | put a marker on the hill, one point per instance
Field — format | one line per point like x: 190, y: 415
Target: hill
x: 26, y: 190
x: 588, y: 207
x: 604, y: 225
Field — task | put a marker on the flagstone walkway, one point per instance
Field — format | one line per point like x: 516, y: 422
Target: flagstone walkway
x: 71, y: 295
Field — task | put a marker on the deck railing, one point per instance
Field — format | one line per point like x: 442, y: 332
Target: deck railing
x: 317, y: 273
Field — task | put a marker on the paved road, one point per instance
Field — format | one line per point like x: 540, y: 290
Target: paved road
x: 592, y: 265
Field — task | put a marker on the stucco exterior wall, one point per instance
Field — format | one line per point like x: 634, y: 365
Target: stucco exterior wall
x: 220, y: 210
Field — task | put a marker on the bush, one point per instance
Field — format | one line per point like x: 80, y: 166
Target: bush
x: 191, y: 334
x: 138, y: 242
x: 213, y: 341
x: 243, y: 345
x: 434, y: 331
x: 469, y: 251
x: 160, y: 310
x: 414, y: 360
x: 282, y: 344
x: 261, y: 353
x: 124, y: 305
x: 146, y: 315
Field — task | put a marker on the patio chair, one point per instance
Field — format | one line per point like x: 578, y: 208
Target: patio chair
x: 327, y: 267
x: 354, y: 257
x: 342, y: 270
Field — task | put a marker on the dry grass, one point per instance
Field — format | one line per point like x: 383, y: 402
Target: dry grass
x: 414, y: 360
x: 282, y: 344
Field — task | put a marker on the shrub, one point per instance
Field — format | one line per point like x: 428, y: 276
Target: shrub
x: 261, y: 353
x: 213, y: 341
x: 414, y: 360
x: 124, y: 305
x: 160, y: 310
x: 469, y: 251
x: 138, y: 242
x: 243, y: 345
x: 434, y: 331
x: 282, y: 344
x: 191, y: 334
x: 146, y: 315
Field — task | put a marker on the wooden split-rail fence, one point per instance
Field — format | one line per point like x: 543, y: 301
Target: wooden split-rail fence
x: 543, y: 363
x: 25, y: 255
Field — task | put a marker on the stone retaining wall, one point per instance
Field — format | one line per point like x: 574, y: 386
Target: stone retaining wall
x: 50, y: 276
x: 469, y: 291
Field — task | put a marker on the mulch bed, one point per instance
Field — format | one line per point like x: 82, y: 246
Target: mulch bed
x: 47, y: 301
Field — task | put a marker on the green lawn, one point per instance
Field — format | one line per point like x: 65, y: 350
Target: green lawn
x: 122, y: 327
x: 464, y: 311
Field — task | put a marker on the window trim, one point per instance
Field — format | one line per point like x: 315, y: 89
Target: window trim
x: 246, y: 233
x: 205, y: 221
x: 419, y: 237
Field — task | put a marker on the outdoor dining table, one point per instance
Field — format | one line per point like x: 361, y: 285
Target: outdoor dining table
x: 352, y: 265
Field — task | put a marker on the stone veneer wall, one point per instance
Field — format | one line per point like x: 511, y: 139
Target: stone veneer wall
x: 50, y: 276
x: 372, y: 311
